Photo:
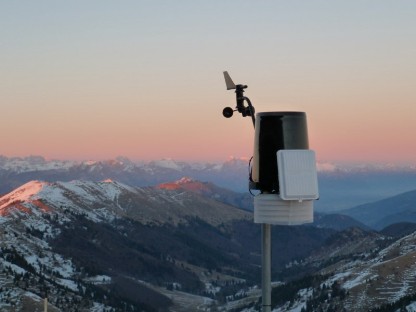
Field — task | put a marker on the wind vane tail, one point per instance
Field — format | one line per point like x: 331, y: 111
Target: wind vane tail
x: 228, y: 81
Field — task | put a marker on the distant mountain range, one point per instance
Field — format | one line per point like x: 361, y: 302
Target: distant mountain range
x: 340, y: 186
x: 16, y: 171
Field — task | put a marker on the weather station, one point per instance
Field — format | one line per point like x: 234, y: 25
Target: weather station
x: 283, y: 171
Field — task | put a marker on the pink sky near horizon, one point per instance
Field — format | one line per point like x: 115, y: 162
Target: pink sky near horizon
x: 144, y: 80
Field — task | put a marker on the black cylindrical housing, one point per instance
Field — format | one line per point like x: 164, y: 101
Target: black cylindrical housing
x: 275, y: 131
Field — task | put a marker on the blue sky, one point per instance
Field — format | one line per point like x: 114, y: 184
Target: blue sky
x: 97, y: 79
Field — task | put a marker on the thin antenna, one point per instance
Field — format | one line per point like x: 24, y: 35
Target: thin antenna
x: 228, y: 81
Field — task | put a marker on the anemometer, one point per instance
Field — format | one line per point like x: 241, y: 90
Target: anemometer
x: 240, y: 98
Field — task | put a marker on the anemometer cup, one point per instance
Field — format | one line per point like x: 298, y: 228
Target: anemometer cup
x: 227, y: 112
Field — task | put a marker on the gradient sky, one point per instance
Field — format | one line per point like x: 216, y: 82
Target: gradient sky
x: 143, y: 79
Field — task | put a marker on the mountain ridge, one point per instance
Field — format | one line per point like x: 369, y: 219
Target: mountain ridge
x: 382, y: 213
x: 341, y: 186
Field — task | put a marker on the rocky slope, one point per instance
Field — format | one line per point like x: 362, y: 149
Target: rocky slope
x: 354, y: 271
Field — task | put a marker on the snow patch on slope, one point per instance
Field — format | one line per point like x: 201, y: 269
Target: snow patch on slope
x: 167, y: 163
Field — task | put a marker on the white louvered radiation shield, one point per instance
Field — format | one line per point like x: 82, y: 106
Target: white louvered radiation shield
x: 298, y: 188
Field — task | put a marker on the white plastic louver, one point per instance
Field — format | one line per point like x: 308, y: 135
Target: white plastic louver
x: 297, y: 175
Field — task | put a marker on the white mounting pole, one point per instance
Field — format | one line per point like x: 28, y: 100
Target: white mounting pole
x: 266, y: 285
x: 45, y: 304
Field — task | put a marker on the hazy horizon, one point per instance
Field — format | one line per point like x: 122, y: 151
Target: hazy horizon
x: 323, y: 165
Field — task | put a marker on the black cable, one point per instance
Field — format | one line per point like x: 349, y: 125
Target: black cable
x: 251, y: 108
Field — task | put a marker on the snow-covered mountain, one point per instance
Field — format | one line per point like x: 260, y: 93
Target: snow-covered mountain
x: 56, y: 238
x: 107, y: 200
x: 341, y: 186
x: 106, y: 245
x: 32, y: 163
x: 39, y: 163
x: 103, y: 246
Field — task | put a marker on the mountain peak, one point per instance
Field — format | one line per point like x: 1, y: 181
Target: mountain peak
x: 184, y: 183
x: 108, y: 181
x: 167, y: 163
x: 185, y: 180
x: 26, y: 192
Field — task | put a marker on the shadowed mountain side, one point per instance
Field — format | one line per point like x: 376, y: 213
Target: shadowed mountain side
x: 337, y: 222
x: 378, y: 215
x: 399, y: 229
x: 162, y: 254
x: 210, y: 190
x: 150, y: 206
